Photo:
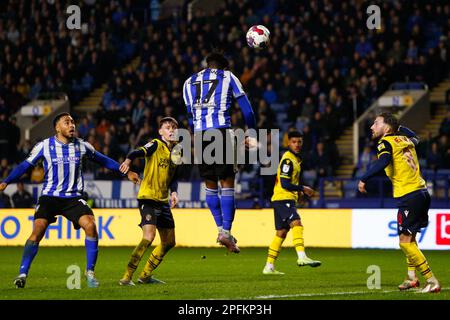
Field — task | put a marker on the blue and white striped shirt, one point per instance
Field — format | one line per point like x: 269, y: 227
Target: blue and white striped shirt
x: 62, y: 166
x: 207, y: 95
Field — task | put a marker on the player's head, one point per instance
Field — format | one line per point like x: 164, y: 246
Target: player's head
x: 64, y: 125
x: 295, y: 141
x: 384, y: 123
x: 167, y: 128
x: 216, y: 60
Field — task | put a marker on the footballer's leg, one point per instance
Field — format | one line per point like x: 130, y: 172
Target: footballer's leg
x: 416, y: 257
x: 30, y: 250
x: 274, y: 251
x: 87, y: 222
x: 297, y: 239
x: 148, y: 235
x: 213, y: 202
x: 412, y: 281
x: 167, y: 236
x: 227, y: 203
x: 410, y: 219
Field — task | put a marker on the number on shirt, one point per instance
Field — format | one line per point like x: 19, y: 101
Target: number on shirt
x: 408, y: 156
x: 198, y: 90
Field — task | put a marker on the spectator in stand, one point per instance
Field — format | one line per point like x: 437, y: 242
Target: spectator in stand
x: 320, y: 160
x: 434, y: 159
x: 22, y: 198
x: 85, y: 127
x: 364, y: 161
x: 444, y: 129
x: 5, y: 169
x: 5, y: 201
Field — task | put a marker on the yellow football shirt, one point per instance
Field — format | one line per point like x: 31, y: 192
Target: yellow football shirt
x: 158, y: 172
x: 404, y: 169
x: 289, y: 168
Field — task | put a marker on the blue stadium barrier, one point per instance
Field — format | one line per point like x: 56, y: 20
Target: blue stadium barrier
x: 409, y: 86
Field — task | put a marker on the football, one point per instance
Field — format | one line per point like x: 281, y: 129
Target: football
x: 258, y: 37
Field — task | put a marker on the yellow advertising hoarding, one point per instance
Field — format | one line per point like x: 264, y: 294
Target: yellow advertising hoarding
x: 193, y: 228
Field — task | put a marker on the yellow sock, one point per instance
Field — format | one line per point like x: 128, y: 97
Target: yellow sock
x: 411, y: 269
x: 136, y: 257
x: 416, y: 257
x: 274, y: 249
x: 297, y: 239
x: 153, y: 261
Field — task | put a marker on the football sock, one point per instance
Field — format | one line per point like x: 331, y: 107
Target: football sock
x: 274, y: 250
x: 136, y: 257
x: 416, y: 257
x: 153, y: 262
x: 91, y: 245
x: 29, y: 252
x: 297, y: 239
x: 213, y: 202
x: 411, y: 270
x: 228, y: 207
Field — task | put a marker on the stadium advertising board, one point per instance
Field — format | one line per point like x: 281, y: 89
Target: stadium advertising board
x: 377, y: 228
x: 194, y: 228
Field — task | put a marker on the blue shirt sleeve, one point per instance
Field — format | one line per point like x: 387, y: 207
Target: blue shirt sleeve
x: 377, y: 166
x: 410, y: 134
x: 286, y: 171
x: 247, y: 111
x: 18, y: 171
x: 289, y: 186
x: 105, y: 161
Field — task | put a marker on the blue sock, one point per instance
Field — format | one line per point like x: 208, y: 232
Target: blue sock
x: 91, y: 252
x: 29, y: 252
x: 228, y: 207
x: 213, y: 202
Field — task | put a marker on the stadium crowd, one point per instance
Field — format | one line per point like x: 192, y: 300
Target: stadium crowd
x: 320, y: 64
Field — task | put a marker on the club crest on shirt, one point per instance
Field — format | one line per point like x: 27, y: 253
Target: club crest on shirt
x: 285, y: 168
x: 148, y: 217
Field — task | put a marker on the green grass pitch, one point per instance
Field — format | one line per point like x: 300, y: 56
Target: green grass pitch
x: 209, y: 273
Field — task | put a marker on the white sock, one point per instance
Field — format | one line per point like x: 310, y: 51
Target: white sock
x: 270, y: 266
x: 301, y: 254
x: 432, y: 280
x: 220, y: 229
x: 227, y: 232
x: 412, y: 274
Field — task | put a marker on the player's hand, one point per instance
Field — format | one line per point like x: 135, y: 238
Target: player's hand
x: 308, y: 191
x: 3, y: 186
x: 362, y: 187
x: 125, y: 166
x: 173, y: 200
x: 251, y: 143
x: 133, y: 177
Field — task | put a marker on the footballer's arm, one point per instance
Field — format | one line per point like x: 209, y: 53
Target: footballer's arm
x: 145, y: 151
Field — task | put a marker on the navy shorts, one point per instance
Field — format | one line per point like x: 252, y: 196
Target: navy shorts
x: 71, y: 208
x: 156, y: 213
x: 220, y: 170
x: 285, y: 212
x: 413, y: 212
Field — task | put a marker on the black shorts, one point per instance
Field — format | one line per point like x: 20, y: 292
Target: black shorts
x: 71, y: 208
x: 285, y: 212
x: 413, y: 212
x: 156, y: 213
x: 220, y: 169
